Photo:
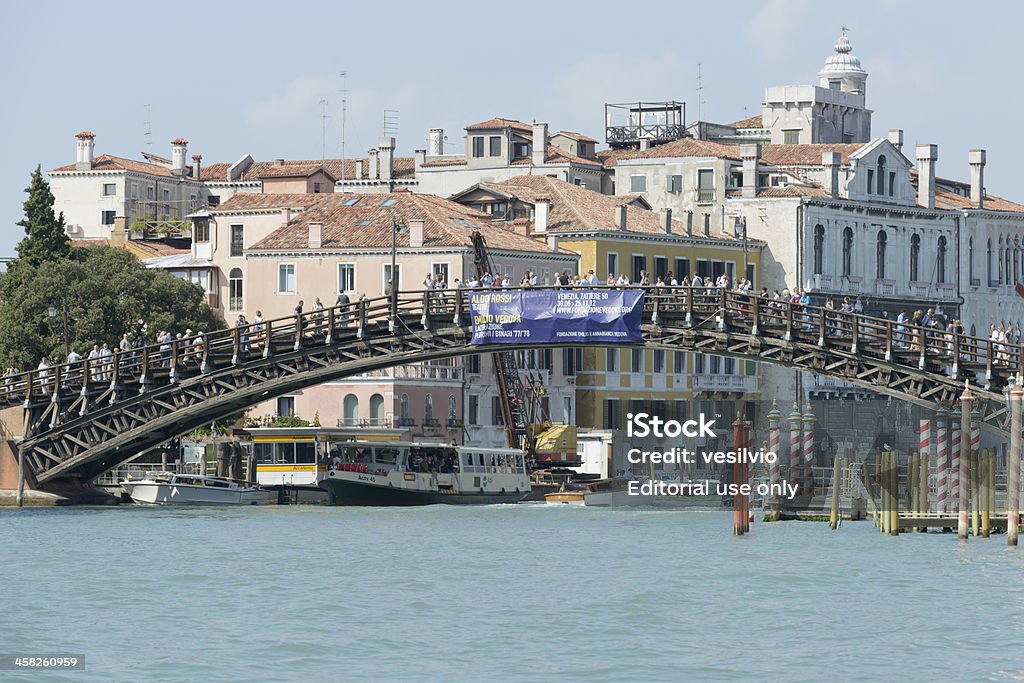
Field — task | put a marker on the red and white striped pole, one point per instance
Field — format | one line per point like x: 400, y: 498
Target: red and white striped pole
x: 796, y: 440
x: 774, y: 418
x: 953, y: 499
x: 809, y: 449
x: 924, y: 450
x: 941, y: 455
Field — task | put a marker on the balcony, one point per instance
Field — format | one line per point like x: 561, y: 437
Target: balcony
x: 850, y: 284
x: 885, y: 287
x: 446, y: 373
x: 746, y: 384
x: 455, y: 423
x: 431, y: 423
x: 406, y: 422
x: 705, y: 195
x: 946, y: 290
x: 919, y: 288
x: 822, y: 282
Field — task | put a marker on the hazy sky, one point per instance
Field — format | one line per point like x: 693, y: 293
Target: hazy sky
x: 238, y: 78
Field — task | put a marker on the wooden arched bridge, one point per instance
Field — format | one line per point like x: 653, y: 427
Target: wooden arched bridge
x: 83, y: 419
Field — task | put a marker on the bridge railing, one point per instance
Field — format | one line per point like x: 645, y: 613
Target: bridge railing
x: 698, y: 307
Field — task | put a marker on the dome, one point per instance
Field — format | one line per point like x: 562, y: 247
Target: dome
x: 844, y: 66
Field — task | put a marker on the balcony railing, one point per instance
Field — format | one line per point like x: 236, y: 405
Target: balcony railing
x: 744, y: 383
x: 822, y: 281
x: 851, y: 284
x: 885, y: 287
x: 705, y: 195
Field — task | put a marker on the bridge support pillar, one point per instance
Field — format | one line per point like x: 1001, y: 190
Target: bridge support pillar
x: 774, y: 420
x: 1013, y: 463
x: 941, y: 460
x: 809, y: 420
x: 924, y: 450
x: 966, y: 404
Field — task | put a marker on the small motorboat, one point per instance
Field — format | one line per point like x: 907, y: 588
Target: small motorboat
x: 197, y: 489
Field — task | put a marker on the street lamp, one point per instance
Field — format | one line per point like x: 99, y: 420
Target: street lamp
x: 396, y: 229
x: 51, y: 311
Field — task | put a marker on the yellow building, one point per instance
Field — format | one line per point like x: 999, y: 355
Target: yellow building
x: 617, y: 235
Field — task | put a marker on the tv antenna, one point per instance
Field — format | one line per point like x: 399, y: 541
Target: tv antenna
x: 344, y: 112
x: 390, y: 123
x: 323, y: 129
x: 147, y: 127
x: 700, y: 92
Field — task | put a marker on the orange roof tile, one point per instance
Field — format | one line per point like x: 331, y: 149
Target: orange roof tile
x: 367, y: 224
x: 498, y: 122
x: 107, y: 162
x: 685, y: 147
x: 576, y: 136
x: 805, y: 155
x: 257, y: 201
x: 750, y: 122
x: 404, y: 169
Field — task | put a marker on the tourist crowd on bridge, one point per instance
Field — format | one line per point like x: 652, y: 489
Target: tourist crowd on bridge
x: 938, y: 329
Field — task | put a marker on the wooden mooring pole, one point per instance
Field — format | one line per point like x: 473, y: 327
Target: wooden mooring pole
x: 924, y: 486
x: 912, y: 492
x: 1013, y: 463
x: 975, y: 494
x: 836, y: 485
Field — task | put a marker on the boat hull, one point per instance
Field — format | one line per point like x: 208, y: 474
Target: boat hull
x: 348, y: 492
x: 161, y: 493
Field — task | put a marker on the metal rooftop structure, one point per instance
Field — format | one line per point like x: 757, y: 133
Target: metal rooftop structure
x: 629, y: 123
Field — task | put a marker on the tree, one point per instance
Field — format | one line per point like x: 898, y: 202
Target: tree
x: 45, y: 238
x: 102, y: 292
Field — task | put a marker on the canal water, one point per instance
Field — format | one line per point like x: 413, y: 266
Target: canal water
x: 517, y: 593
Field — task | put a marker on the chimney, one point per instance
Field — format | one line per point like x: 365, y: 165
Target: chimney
x: 750, y: 154
x: 435, y: 142
x: 540, y: 143
x: 927, y: 155
x: 372, y: 170
x: 316, y: 235
x: 421, y: 157
x: 416, y: 234
x: 541, y: 214
x: 279, y: 162
x: 286, y: 216
x: 707, y: 225
x: 197, y: 165
x: 86, y: 142
x: 620, y: 217
x: 665, y: 220
x: 832, y: 161
x: 387, y: 158
x: 553, y: 242
x: 645, y: 143
x: 359, y: 169
x: 896, y: 138
x: 976, y: 159
x: 179, y: 147
x: 689, y: 223
x: 119, y: 233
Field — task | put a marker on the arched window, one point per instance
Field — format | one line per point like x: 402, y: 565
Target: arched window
x: 880, y: 174
x: 428, y: 409
x: 970, y: 260
x: 1007, y: 258
x: 847, y: 251
x: 351, y: 410
x: 377, y: 410
x: 988, y: 261
x: 453, y: 412
x: 940, y: 261
x: 235, y: 302
x: 819, y: 248
x: 403, y: 407
x: 915, y: 256
x: 1016, y: 264
x: 880, y: 243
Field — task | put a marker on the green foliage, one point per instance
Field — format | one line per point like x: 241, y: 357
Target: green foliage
x: 316, y: 419
x: 104, y: 292
x: 280, y: 421
x: 45, y: 238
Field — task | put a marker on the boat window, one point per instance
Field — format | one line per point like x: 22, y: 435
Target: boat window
x: 217, y: 483
x: 387, y: 456
x: 305, y: 452
x: 264, y: 453
x: 468, y: 460
x: 285, y: 453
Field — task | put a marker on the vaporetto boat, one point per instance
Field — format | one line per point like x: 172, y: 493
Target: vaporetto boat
x: 401, y: 473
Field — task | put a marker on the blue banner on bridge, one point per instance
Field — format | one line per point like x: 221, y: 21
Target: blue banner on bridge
x: 576, y: 316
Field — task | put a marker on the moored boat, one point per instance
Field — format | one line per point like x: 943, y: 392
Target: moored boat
x: 394, y: 473
x: 195, y: 489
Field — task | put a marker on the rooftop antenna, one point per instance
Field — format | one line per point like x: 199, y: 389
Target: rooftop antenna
x: 390, y: 123
x: 700, y: 92
x: 147, y: 128
x: 323, y: 129
x: 344, y: 111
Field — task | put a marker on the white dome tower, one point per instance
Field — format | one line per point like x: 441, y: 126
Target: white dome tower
x: 843, y: 70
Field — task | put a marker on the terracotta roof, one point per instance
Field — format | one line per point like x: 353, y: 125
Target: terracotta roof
x: 556, y: 155
x: 945, y: 199
x: 750, y: 122
x: 85, y: 134
x: 576, y: 136
x: 107, y: 162
x: 805, y: 155
x: 576, y: 209
x: 294, y: 171
x: 367, y: 224
x: 151, y: 248
x: 404, y: 169
x: 256, y: 201
x: 179, y: 141
x: 498, y: 122
x: 444, y: 162
x: 685, y: 147
x: 197, y: 157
